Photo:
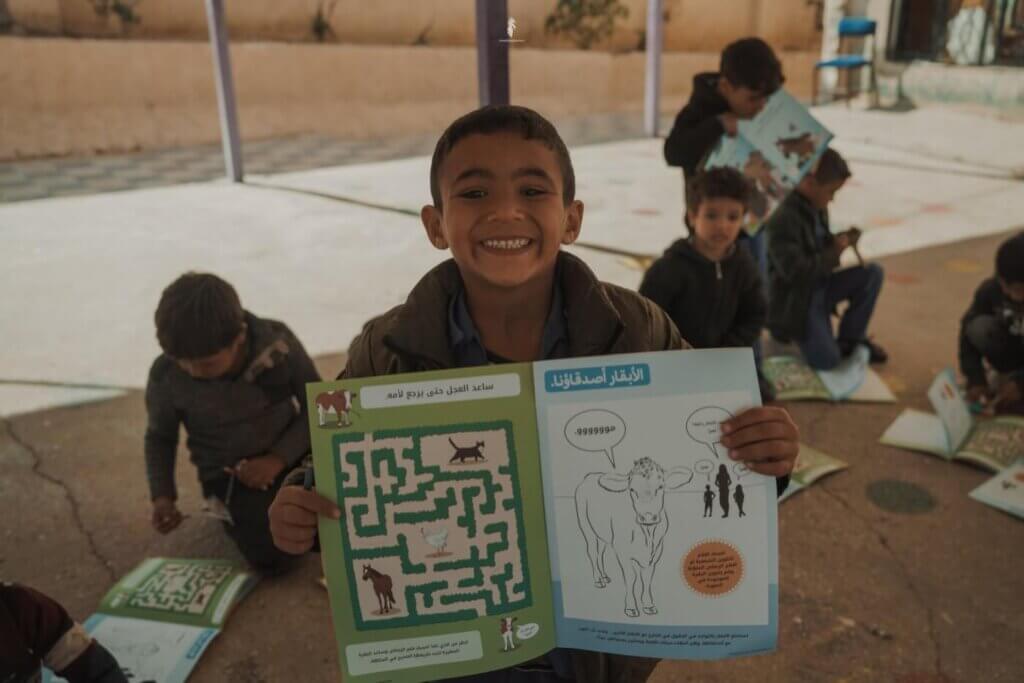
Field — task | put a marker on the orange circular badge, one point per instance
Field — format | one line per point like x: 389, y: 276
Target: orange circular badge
x: 712, y: 568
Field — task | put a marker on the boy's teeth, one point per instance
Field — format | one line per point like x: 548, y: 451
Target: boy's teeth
x: 507, y: 244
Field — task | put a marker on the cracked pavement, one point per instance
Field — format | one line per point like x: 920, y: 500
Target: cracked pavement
x: 865, y: 594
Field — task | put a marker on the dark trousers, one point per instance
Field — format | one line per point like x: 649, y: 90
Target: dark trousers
x: 860, y: 286
x: 758, y: 249
x: 250, y: 529
x: 990, y: 336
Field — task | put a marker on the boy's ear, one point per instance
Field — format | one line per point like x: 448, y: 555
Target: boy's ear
x: 573, y: 222
x: 431, y: 217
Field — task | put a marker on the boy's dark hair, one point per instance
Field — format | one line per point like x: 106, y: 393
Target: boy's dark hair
x: 717, y: 182
x: 199, y: 315
x: 831, y: 167
x: 499, y: 119
x: 751, y: 63
x: 1010, y: 259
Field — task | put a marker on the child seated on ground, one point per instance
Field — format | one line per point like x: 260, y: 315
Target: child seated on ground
x: 993, y: 330
x: 238, y: 384
x: 36, y: 631
x: 805, y: 284
x: 504, y: 203
x: 711, y: 289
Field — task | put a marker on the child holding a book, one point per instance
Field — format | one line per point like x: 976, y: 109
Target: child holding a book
x: 805, y: 282
x: 237, y: 383
x: 711, y: 289
x: 992, y: 330
x: 504, y: 203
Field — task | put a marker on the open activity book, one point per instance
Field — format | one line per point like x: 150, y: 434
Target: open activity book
x: 774, y: 150
x: 491, y: 514
x: 953, y: 433
x: 159, y: 619
x: 853, y: 380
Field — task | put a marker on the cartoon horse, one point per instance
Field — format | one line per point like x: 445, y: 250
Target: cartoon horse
x: 339, y: 401
x: 381, y: 588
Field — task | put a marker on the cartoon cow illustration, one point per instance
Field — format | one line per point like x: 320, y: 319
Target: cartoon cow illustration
x: 627, y: 512
x: 339, y: 401
x: 802, y: 146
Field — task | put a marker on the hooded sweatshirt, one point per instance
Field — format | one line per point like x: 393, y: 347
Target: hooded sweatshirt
x: 697, y: 128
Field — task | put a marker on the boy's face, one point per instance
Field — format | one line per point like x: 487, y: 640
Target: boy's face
x: 1013, y: 290
x: 503, y: 217
x: 744, y: 102
x: 218, y: 364
x: 819, y: 194
x: 717, y: 223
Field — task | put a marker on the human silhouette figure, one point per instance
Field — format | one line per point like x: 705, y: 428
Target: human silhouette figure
x: 722, y: 481
x: 709, y: 500
x: 738, y: 496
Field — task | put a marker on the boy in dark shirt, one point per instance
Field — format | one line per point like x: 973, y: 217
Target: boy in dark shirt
x: 711, y: 289
x: 238, y: 384
x: 804, y: 280
x: 993, y: 330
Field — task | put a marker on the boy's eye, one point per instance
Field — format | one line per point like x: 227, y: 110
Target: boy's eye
x: 472, y: 194
x: 534, y: 191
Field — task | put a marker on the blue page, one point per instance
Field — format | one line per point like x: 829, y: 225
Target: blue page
x: 639, y: 492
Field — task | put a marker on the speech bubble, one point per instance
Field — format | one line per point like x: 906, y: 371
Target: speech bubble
x: 527, y: 631
x: 705, y: 426
x: 740, y: 469
x: 705, y: 467
x: 596, y: 431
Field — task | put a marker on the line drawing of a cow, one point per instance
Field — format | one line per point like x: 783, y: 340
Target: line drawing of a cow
x: 627, y: 512
x: 340, y: 401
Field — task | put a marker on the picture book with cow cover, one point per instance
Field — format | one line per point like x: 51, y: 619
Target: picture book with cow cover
x: 492, y: 514
x: 774, y: 150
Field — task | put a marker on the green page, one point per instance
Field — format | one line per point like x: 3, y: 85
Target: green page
x: 179, y: 591
x: 994, y: 444
x: 794, y: 380
x: 400, y: 571
x: 811, y: 465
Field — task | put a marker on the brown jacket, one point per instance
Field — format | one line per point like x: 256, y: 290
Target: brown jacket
x: 601, y: 319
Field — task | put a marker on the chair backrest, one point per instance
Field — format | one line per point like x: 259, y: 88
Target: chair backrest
x: 856, y: 26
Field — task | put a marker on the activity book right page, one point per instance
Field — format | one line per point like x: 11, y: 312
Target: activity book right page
x: 660, y: 545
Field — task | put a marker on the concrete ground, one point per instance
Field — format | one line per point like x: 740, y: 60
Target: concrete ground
x: 888, y: 571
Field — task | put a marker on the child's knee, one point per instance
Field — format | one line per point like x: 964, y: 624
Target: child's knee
x: 876, y: 274
x: 825, y: 358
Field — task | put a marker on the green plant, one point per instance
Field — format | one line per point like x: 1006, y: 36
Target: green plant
x: 122, y: 9
x: 585, y: 22
x: 322, y: 20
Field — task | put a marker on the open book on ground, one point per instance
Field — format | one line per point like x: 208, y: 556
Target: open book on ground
x: 774, y: 150
x: 853, y: 380
x: 811, y: 465
x: 1005, y: 491
x: 159, y: 619
x: 494, y: 513
x: 953, y: 433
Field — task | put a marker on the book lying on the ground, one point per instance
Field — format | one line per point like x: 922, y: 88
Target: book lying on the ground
x: 811, y: 465
x: 953, y: 433
x: 774, y: 150
x: 1005, y: 491
x: 491, y: 514
x: 853, y: 380
x: 159, y: 619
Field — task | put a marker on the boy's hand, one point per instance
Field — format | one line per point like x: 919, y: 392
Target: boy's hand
x: 854, y: 236
x: 842, y: 241
x: 166, y: 517
x: 1009, y: 392
x: 293, y: 518
x: 258, y: 473
x: 730, y: 123
x: 977, y: 394
x: 766, y: 439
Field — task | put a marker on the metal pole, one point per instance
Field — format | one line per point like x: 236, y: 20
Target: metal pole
x: 652, y: 71
x: 225, y: 89
x: 492, y: 51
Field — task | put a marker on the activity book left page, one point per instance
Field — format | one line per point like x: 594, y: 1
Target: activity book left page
x: 438, y: 566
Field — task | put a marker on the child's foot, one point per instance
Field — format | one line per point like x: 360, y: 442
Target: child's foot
x: 876, y: 354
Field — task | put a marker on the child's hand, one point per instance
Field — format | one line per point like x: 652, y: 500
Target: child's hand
x: 766, y: 439
x: 293, y: 518
x: 730, y: 123
x: 842, y: 241
x: 1009, y: 392
x: 166, y: 517
x: 258, y: 473
x: 977, y: 394
x: 854, y: 236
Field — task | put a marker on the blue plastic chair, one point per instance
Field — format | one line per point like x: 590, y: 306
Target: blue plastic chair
x: 850, y: 27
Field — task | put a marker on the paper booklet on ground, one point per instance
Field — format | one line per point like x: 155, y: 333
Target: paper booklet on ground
x: 493, y: 513
x: 852, y: 381
x: 1005, y: 491
x: 159, y: 619
x: 811, y: 465
x: 774, y: 150
x: 953, y: 433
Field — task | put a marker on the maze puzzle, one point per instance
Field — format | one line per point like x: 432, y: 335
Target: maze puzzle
x: 180, y: 587
x: 432, y: 530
